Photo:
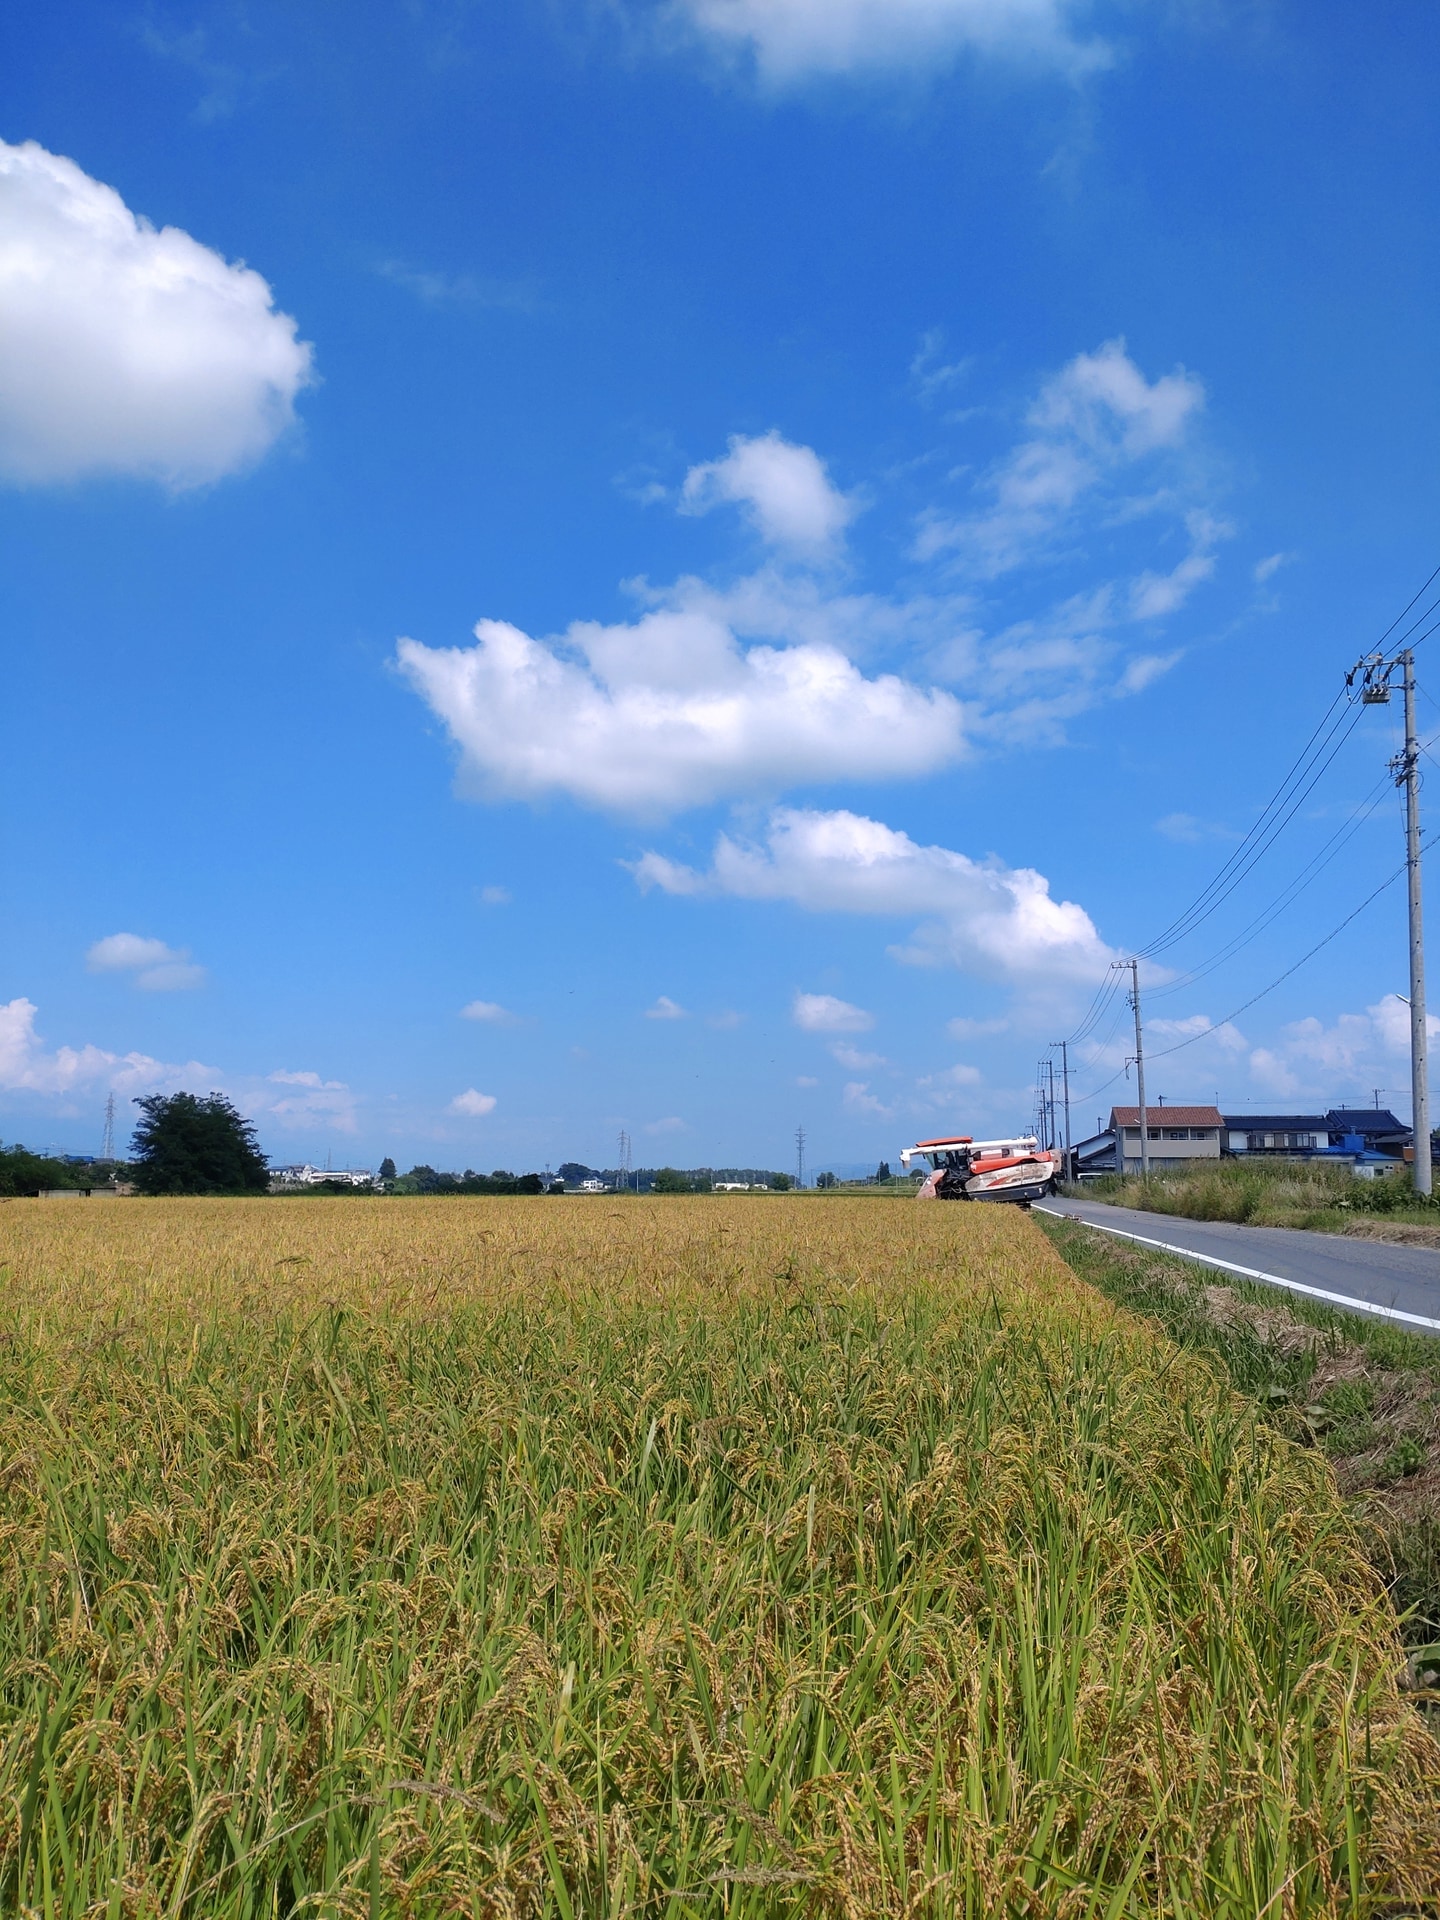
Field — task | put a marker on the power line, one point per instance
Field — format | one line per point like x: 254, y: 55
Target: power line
x: 1207, y: 1032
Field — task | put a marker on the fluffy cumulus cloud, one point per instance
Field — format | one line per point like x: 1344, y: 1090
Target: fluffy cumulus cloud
x: 28, y: 1066
x: 150, y: 963
x: 671, y: 712
x: 666, y: 1009
x: 823, y: 1013
x: 127, y: 350
x: 1341, y: 1063
x: 302, y: 1099
x: 1097, y: 419
x: 792, y: 39
x: 785, y: 490
x: 489, y: 1013
x: 471, y: 1105
x: 982, y: 916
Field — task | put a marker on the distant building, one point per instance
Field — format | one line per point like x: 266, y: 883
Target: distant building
x: 733, y: 1186
x: 593, y: 1185
x: 308, y: 1176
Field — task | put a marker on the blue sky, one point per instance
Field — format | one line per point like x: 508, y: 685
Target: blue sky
x: 697, y: 567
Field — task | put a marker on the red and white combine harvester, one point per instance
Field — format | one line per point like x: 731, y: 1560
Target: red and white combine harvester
x: 962, y: 1168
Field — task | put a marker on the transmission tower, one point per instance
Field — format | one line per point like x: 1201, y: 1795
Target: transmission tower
x: 624, y: 1150
x: 107, y: 1147
x: 799, y: 1156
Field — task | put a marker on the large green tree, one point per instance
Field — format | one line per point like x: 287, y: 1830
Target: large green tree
x: 184, y: 1144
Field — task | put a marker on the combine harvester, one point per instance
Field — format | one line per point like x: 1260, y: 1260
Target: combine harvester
x: 962, y: 1168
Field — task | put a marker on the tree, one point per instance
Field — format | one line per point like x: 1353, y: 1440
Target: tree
x: 387, y: 1168
x: 669, y: 1180
x: 826, y: 1180
x: 882, y: 1173
x: 781, y: 1182
x: 183, y: 1144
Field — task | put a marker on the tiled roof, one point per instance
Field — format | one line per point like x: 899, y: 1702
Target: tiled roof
x: 1167, y: 1116
x: 1278, y: 1122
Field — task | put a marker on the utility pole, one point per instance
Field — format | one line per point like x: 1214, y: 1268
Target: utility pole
x: 1408, y: 773
x: 1065, y: 1078
x: 1050, y: 1069
x: 1375, y: 671
x: 799, y: 1156
x: 1134, y: 966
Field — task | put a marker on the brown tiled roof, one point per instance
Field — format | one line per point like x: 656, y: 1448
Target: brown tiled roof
x: 1166, y: 1116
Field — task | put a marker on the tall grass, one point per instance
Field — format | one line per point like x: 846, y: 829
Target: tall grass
x: 1291, y: 1193
x: 688, y: 1558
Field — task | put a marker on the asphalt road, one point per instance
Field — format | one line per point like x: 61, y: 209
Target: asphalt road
x: 1366, y: 1276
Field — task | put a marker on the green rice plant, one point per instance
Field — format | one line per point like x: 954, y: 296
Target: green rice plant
x: 687, y: 1558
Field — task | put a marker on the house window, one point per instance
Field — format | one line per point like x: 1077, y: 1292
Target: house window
x: 1152, y: 1133
x: 1177, y: 1133
x: 1132, y: 1133
x: 1255, y: 1142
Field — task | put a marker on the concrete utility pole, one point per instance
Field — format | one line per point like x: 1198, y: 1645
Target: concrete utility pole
x: 1134, y: 966
x: 1374, y: 672
x: 1408, y: 775
x: 1050, y: 1069
x: 1065, y: 1078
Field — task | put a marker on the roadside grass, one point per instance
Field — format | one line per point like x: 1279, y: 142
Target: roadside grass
x: 685, y: 1559
x: 1364, y: 1393
x: 1279, y: 1193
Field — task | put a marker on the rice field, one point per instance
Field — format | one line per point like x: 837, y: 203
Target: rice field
x: 675, y: 1557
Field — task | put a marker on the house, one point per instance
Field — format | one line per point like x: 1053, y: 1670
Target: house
x: 1176, y: 1133
x: 1172, y: 1134
x: 1376, y: 1126
x: 1299, y: 1136
x: 1278, y: 1134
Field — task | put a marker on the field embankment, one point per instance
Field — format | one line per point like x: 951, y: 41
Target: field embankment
x: 681, y: 1558
x: 1280, y: 1193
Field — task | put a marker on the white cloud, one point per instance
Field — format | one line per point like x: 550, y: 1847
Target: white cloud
x: 791, y: 40
x: 155, y: 967
x: 26, y: 1066
x: 436, y: 289
x: 858, y: 1098
x: 823, y: 1013
x: 806, y: 1080
x: 1096, y: 418
x: 930, y: 371
x: 309, y: 1102
x: 666, y: 1009
x: 943, y: 1085
x: 671, y: 712
x: 966, y: 1029
x: 472, y: 1104
x: 1186, y: 830
x: 1343, y: 1062
x: 126, y: 350
x: 726, y: 1020
x: 785, y: 488
x: 1264, y: 569
x: 671, y: 1124
x: 494, y: 896
x: 488, y: 1011
x: 981, y: 916
x: 854, y: 1060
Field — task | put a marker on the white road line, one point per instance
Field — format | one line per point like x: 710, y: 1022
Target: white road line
x: 1250, y: 1273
